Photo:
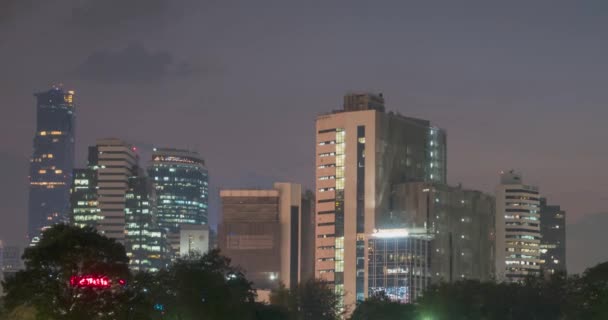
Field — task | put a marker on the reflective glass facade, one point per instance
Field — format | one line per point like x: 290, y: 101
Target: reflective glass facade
x: 145, y: 242
x: 399, y: 264
x: 52, y: 160
x: 182, y: 187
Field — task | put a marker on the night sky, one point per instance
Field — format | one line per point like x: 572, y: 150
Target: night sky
x: 515, y: 84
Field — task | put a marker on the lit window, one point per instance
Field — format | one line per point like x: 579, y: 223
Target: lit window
x: 58, y: 171
x: 42, y: 171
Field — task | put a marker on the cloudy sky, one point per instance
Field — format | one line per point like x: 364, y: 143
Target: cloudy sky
x: 517, y: 84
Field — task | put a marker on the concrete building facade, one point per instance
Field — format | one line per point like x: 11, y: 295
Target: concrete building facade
x: 361, y: 153
x: 518, y: 235
x: 261, y: 231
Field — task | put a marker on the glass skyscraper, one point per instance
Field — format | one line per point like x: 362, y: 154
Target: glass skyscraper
x: 181, y: 181
x: 145, y: 240
x: 52, y: 161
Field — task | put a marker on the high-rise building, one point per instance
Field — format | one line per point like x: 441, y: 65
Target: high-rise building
x: 145, y: 242
x: 113, y: 195
x: 181, y: 181
x: 99, y: 191
x: 460, y: 223
x: 117, y: 161
x: 362, y: 152
x: 260, y: 231
x: 83, y: 193
x: 553, y: 242
x: 518, y: 234
x: 52, y: 161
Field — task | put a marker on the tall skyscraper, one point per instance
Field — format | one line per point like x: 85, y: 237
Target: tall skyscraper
x: 518, y: 234
x: 117, y: 162
x: 181, y: 181
x: 553, y: 242
x: 145, y: 242
x: 361, y: 153
x: 113, y: 195
x: 261, y: 230
x: 99, y: 191
x: 83, y: 195
x: 52, y: 160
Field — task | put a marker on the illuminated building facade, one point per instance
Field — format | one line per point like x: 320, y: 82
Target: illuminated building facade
x: 52, y: 161
x: 518, y: 235
x: 145, y: 241
x: 553, y: 242
x: 83, y: 194
x: 400, y: 263
x: 99, y: 191
x: 361, y: 153
x: 113, y: 195
x: 261, y: 231
x: 182, y: 190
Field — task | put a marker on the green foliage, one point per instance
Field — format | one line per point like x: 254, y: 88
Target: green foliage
x: 311, y: 300
x: 380, y: 307
x: 65, y: 251
x: 206, y: 287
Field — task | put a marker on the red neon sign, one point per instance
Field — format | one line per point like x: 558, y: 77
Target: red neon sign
x: 90, y: 281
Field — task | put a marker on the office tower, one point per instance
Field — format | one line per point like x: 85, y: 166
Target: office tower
x: 361, y: 153
x: 145, y: 242
x: 99, y: 192
x: 553, y: 241
x: 83, y: 193
x: 117, y: 162
x: 181, y: 181
x: 459, y: 222
x: 52, y: 161
x: 260, y: 230
x: 193, y: 239
x: 518, y: 234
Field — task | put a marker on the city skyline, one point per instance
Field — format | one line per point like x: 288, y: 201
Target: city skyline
x: 549, y: 71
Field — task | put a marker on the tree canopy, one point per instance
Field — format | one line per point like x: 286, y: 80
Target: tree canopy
x: 65, y: 251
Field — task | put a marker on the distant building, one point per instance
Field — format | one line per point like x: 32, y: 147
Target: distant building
x: 10, y: 259
x: 194, y: 239
x: 441, y: 234
x: 117, y: 162
x: 518, y: 235
x: 113, y: 195
x: 307, y: 262
x: 52, y: 161
x: 553, y: 242
x: 145, y: 240
x: 83, y: 193
x: 181, y: 181
x: 260, y: 231
x: 362, y: 152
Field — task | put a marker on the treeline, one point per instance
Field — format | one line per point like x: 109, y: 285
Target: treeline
x: 209, y: 287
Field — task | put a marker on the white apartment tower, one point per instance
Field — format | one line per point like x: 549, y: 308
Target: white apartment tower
x: 518, y: 234
x: 362, y: 152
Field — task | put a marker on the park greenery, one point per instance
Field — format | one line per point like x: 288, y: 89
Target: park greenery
x: 209, y: 287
